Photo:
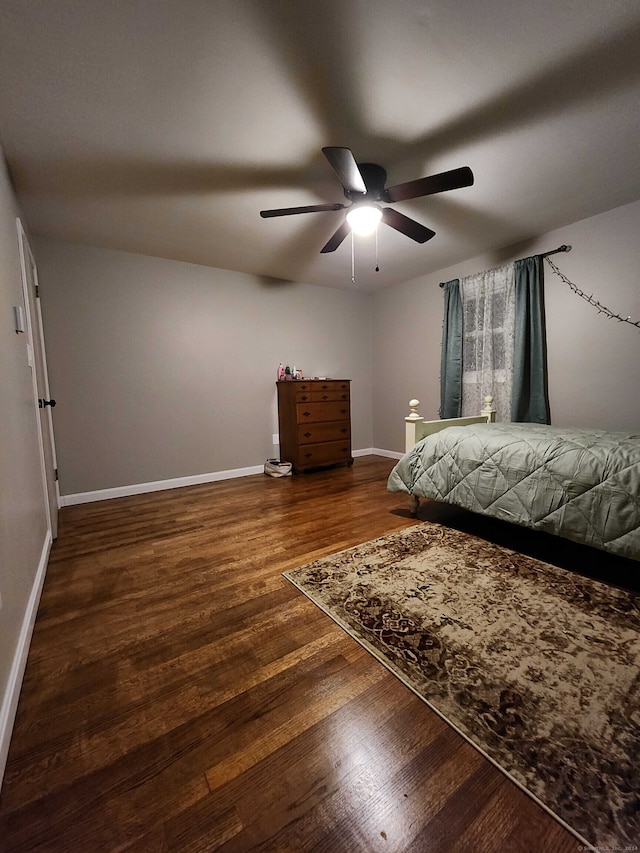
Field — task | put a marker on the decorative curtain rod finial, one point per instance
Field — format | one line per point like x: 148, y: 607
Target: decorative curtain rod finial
x: 563, y: 248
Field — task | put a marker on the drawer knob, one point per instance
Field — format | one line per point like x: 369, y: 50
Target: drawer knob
x: 306, y: 414
x: 307, y: 435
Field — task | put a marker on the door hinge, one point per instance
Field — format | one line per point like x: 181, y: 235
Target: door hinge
x: 55, y: 471
x: 37, y: 289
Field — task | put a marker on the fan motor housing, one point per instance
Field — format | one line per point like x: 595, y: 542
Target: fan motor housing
x: 375, y: 178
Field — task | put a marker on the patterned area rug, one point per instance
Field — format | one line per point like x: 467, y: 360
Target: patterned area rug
x: 538, y: 667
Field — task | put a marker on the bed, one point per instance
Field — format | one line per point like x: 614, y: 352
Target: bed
x: 583, y: 485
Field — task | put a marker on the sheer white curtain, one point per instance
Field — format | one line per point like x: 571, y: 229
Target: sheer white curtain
x: 488, y: 308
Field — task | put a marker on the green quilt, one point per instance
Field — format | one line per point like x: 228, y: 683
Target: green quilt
x: 580, y: 484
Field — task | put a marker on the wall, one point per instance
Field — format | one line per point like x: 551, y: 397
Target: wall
x: 24, y: 538
x: 163, y: 369
x: 593, y: 360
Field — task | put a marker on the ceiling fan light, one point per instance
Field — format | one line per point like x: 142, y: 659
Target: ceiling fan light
x: 363, y: 218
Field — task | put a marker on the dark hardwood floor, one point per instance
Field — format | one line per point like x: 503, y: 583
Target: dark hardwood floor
x: 180, y: 695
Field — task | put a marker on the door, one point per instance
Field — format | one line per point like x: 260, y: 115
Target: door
x: 38, y: 362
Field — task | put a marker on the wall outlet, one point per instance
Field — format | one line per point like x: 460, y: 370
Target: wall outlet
x: 276, y: 438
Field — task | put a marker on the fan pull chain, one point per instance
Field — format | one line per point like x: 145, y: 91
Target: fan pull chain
x: 377, y: 265
x: 353, y: 260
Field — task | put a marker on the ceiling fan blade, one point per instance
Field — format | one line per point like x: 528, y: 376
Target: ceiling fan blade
x: 337, y: 238
x: 404, y: 225
x: 344, y: 165
x: 452, y: 180
x: 311, y: 208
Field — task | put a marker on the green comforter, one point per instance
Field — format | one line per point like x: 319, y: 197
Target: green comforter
x: 580, y: 484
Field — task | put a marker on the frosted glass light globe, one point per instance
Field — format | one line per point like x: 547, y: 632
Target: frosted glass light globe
x: 363, y: 218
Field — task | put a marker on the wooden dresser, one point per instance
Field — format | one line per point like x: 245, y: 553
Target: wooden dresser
x: 315, y: 422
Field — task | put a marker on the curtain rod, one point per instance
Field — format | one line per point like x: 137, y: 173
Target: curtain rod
x: 562, y: 248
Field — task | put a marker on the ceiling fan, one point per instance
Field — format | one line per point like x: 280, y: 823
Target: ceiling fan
x: 364, y: 186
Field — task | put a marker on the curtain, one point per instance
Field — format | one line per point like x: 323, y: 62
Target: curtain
x: 488, y: 310
x: 494, y: 342
x: 451, y: 358
x: 530, y: 399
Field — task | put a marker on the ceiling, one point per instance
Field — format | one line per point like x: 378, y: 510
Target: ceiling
x: 164, y: 126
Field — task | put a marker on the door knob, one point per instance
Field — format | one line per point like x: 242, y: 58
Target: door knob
x: 43, y: 403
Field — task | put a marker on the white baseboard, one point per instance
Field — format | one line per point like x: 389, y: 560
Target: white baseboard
x: 196, y: 479
x: 14, y: 683
x: 376, y: 451
x: 391, y: 454
x: 157, y: 486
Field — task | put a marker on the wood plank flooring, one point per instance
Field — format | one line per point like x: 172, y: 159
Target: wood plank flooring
x: 180, y: 695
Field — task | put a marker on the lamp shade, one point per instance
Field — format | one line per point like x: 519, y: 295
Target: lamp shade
x: 363, y: 218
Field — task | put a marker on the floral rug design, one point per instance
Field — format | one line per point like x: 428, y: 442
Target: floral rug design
x: 537, y: 666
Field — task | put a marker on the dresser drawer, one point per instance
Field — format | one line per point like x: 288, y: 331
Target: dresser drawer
x: 324, y: 385
x: 321, y: 454
x: 307, y: 385
x: 319, y: 396
x: 323, y: 431
x: 313, y: 412
x: 321, y: 392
